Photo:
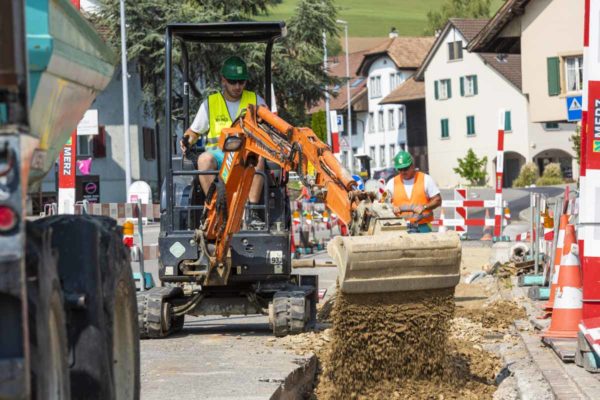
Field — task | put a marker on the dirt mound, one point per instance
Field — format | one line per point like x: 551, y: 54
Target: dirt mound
x: 395, y: 345
x: 496, y: 316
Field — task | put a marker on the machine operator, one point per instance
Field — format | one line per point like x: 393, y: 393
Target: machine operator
x: 414, y: 194
x: 218, y: 112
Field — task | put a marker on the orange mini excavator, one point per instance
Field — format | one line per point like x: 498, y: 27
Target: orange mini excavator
x: 213, y: 263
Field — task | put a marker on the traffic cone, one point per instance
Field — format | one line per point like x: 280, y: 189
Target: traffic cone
x: 560, y: 245
x: 487, y: 230
x: 442, y: 228
x: 568, y: 299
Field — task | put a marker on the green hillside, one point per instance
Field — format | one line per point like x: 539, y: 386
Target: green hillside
x: 369, y: 18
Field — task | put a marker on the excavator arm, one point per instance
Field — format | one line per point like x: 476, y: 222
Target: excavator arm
x: 260, y: 133
x: 368, y: 263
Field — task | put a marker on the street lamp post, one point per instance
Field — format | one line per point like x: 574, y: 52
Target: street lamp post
x: 327, y: 118
x: 349, y: 105
x: 125, y: 101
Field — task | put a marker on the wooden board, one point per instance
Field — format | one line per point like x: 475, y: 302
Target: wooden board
x: 564, y: 348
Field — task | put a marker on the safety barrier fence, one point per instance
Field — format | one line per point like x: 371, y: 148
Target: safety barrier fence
x: 119, y: 211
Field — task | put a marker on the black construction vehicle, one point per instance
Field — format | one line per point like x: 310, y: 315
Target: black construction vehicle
x: 260, y: 279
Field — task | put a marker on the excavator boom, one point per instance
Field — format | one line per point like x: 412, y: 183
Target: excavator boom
x: 380, y: 256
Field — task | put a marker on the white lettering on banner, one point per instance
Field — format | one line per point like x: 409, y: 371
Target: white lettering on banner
x: 67, y: 160
x: 597, y: 118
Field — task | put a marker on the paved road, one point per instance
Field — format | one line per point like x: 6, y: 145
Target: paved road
x: 218, y: 357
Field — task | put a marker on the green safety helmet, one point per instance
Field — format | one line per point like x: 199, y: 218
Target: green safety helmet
x: 234, y: 68
x: 402, y: 160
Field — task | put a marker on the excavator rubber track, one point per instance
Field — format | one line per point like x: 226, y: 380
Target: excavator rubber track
x: 396, y: 261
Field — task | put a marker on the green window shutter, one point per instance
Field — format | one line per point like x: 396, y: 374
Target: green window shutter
x: 445, y: 132
x: 449, y: 88
x: 437, y: 91
x: 470, y: 125
x: 462, y: 85
x: 475, y: 90
x: 553, y: 76
x: 507, y: 122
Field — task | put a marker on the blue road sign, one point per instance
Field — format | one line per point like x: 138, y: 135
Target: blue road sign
x: 574, y: 108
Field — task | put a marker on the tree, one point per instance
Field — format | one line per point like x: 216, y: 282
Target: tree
x: 552, y: 175
x: 319, y: 125
x: 576, y: 139
x: 527, y: 176
x: 456, y: 9
x: 298, y: 76
x: 472, y: 168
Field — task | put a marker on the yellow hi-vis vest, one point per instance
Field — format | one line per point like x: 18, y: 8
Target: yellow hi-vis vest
x: 218, y: 114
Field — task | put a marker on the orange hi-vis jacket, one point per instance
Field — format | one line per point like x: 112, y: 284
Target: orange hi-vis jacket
x: 418, y: 197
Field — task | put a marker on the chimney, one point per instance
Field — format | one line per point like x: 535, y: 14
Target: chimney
x: 393, y: 33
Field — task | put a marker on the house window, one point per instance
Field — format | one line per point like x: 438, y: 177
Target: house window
x: 84, y: 145
x: 468, y: 85
x: 149, y: 144
x: 443, y: 89
x: 507, y: 121
x: 371, y: 123
x: 380, y: 126
x: 395, y: 80
x: 382, y: 156
x: 372, y: 155
x: 391, y: 125
x: 375, y: 88
x: 455, y: 50
x: 401, y: 117
x: 574, y: 73
x: 392, y: 151
x: 445, y: 129
x: 470, y: 125
x: 551, y: 126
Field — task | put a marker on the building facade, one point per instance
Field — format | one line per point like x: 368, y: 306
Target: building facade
x: 548, y: 34
x: 464, y: 95
x: 385, y: 68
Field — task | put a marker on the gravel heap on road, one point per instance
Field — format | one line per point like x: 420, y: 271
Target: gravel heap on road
x: 395, y: 345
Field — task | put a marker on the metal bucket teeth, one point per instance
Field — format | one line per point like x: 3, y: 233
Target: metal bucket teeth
x: 396, y: 261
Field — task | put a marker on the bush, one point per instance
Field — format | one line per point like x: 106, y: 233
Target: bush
x: 552, y: 175
x: 472, y: 168
x: 528, y: 175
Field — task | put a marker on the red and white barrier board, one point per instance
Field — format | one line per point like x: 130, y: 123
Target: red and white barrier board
x: 589, y: 181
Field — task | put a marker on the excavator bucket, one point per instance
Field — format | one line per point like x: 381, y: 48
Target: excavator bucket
x: 396, y: 261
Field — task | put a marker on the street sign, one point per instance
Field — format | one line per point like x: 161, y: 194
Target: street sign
x: 340, y: 123
x: 574, y: 108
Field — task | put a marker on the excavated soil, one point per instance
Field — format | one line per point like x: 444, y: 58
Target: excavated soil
x: 397, y: 345
x: 495, y: 316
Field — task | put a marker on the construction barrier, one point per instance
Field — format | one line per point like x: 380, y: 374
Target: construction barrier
x: 120, y: 211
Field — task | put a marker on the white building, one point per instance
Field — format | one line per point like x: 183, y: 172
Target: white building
x: 464, y: 93
x: 548, y: 34
x: 386, y: 67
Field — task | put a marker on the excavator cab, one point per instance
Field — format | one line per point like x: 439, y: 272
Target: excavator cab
x: 259, y: 279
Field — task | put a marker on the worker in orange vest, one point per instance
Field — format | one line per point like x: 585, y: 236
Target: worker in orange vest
x: 414, y: 194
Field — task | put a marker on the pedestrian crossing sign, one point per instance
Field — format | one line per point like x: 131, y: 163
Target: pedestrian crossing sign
x: 574, y: 108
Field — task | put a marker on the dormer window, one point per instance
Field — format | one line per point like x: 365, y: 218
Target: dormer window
x: 455, y: 50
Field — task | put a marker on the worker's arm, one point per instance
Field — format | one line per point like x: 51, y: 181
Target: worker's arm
x: 433, y: 203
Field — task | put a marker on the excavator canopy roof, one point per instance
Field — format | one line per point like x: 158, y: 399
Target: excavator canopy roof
x: 229, y: 32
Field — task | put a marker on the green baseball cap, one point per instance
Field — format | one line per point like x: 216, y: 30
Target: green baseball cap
x: 402, y: 160
x: 234, y: 68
